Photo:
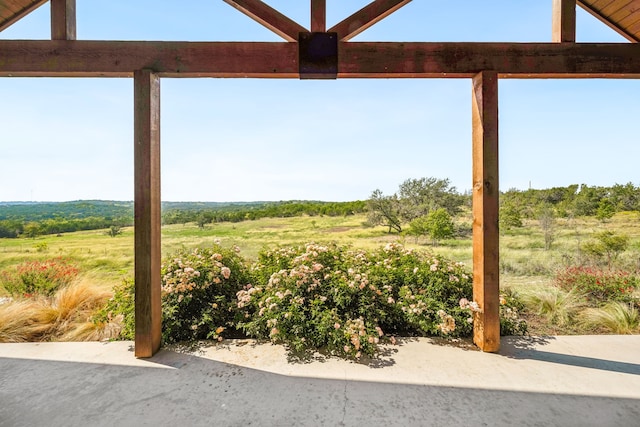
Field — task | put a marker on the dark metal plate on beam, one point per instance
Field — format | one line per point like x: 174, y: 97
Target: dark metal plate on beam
x: 318, y: 55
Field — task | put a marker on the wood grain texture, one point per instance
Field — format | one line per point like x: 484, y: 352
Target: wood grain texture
x: 564, y: 21
x: 148, y: 305
x: 356, y: 59
x: 486, y: 249
x: 318, y: 16
x: 269, y: 17
x: 614, y: 14
x: 63, y: 19
x: 12, y: 11
x: 366, y: 17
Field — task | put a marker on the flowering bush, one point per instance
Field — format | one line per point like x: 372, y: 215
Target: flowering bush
x: 348, y: 301
x: 598, y: 285
x: 199, y: 291
x: 510, y: 321
x: 38, y: 277
x: 119, y: 312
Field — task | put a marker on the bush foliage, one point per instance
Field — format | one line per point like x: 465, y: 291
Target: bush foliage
x: 331, y: 297
x: 198, y: 293
x: 38, y: 277
x: 598, y: 285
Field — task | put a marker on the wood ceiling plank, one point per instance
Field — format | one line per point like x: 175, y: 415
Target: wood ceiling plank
x: 629, y: 35
x: 366, y: 17
x: 18, y: 10
x: 615, y: 6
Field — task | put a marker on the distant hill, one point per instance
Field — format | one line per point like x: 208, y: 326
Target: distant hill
x: 31, y: 219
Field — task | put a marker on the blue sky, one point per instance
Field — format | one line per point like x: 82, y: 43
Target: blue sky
x: 247, y: 139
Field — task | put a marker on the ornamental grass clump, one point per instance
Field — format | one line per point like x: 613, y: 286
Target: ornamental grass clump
x: 199, y: 293
x: 615, y: 317
x: 349, y: 301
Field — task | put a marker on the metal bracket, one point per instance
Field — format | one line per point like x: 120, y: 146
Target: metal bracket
x: 318, y: 55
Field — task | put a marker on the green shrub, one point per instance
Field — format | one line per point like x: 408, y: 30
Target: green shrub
x: 348, y: 301
x: 598, y: 285
x: 199, y: 291
x: 312, y: 297
x: 511, y: 305
x: 38, y: 277
x: 119, y: 312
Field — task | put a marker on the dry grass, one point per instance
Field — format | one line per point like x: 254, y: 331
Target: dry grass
x: 615, y: 317
x: 64, y: 317
x: 555, y: 305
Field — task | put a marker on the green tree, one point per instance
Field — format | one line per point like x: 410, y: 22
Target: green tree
x: 606, y: 209
x: 547, y: 220
x: 114, y: 230
x: 606, y: 244
x: 510, y: 216
x: 439, y: 225
x: 384, y: 210
x: 421, y: 196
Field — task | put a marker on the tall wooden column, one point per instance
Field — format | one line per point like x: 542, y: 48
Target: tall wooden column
x: 486, y: 261
x: 148, y: 309
x: 564, y: 21
x: 63, y: 19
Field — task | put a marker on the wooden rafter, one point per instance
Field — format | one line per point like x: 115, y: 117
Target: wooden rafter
x: 269, y: 17
x: 356, y: 59
x: 366, y: 17
x: 319, y: 16
x: 564, y: 21
x: 63, y: 19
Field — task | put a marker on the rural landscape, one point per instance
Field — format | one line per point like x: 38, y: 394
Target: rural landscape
x: 339, y: 276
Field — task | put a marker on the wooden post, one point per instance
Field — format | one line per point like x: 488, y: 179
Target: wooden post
x: 486, y: 262
x: 564, y: 21
x: 63, y: 19
x: 148, y: 305
x: 318, y: 16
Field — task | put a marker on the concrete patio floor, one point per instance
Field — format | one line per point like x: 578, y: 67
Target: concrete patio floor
x: 553, y: 381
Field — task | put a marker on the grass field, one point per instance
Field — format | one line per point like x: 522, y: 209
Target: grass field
x: 524, y: 261
x: 525, y: 264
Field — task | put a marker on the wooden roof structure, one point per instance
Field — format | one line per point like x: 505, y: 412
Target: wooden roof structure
x: 623, y: 16
x: 321, y: 53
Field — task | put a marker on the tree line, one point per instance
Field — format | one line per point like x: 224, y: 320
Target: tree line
x: 427, y: 206
x: 27, y: 220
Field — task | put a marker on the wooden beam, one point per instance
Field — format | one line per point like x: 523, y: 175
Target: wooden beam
x: 356, y: 59
x: 510, y: 60
x: 63, y: 19
x: 486, y: 261
x: 366, y: 17
x: 269, y: 17
x: 564, y: 21
x: 18, y: 15
x: 318, y: 16
x: 148, y: 305
x: 168, y: 59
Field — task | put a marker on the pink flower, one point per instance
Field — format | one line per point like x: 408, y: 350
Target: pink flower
x: 336, y: 325
x: 226, y: 272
